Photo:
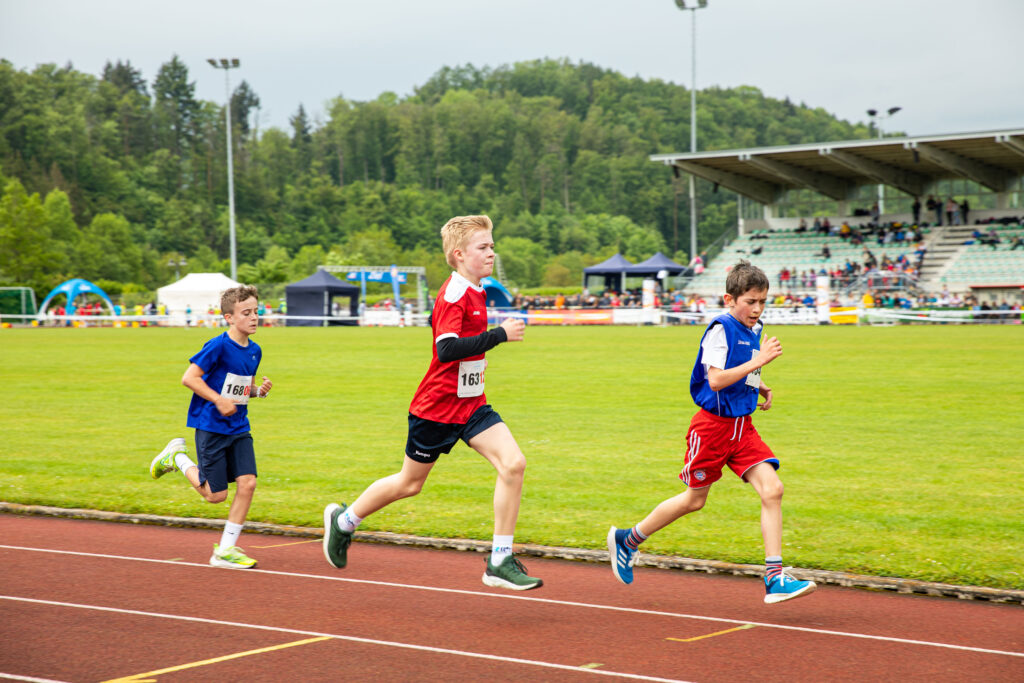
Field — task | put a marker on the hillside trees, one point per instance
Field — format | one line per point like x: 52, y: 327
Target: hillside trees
x: 113, y: 175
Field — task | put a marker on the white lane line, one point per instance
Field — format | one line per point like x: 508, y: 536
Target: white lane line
x: 32, y: 679
x: 354, y: 639
x: 564, y: 603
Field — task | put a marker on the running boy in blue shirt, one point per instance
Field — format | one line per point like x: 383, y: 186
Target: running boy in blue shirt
x: 221, y: 378
x: 725, y: 384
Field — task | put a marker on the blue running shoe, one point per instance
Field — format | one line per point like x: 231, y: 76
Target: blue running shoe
x: 623, y: 557
x: 785, y: 587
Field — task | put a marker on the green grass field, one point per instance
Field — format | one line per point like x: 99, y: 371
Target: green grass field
x: 901, y: 447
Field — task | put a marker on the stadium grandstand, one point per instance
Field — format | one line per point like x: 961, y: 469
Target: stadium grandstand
x: 848, y: 209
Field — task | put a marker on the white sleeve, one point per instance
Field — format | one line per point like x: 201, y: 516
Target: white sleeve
x: 715, y: 348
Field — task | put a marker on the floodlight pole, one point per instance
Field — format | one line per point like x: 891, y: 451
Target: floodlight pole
x: 697, y: 4
x: 876, y: 116
x: 227, y: 65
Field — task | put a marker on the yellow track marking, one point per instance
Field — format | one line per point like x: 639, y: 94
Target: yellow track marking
x: 281, y: 545
x: 140, y: 678
x: 711, y: 635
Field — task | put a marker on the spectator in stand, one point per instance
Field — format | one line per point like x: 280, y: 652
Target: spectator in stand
x: 826, y: 227
x: 825, y: 253
x: 876, y: 215
x: 1017, y: 241
x: 560, y: 300
x: 915, y: 209
x: 965, y: 208
x: 869, y: 259
x: 808, y: 301
x: 992, y: 239
x: 802, y: 227
x: 951, y: 209
x: 936, y: 206
x: 844, y: 231
x: 817, y: 224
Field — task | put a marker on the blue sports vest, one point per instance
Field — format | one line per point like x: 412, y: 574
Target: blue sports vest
x: 737, y: 399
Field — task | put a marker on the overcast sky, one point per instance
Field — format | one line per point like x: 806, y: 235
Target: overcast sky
x: 953, y: 66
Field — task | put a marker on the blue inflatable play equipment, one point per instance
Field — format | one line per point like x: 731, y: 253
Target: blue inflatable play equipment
x: 72, y: 289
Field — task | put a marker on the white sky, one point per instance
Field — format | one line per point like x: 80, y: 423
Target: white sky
x: 953, y: 66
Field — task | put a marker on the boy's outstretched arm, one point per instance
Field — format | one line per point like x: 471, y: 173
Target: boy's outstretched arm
x: 262, y: 389
x: 719, y: 379
x: 193, y: 379
x: 456, y: 348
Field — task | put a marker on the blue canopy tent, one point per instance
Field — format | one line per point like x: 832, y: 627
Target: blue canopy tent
x: 613, y: 271
x: 496, y: 294
x: 72, y: 289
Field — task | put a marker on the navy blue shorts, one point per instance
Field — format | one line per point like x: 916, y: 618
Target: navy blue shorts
x: 428, y: 440
x: 222, y: 458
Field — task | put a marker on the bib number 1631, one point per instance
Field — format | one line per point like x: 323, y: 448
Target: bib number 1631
x: 471, y: 378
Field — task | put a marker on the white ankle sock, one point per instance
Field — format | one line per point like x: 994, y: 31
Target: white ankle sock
x: 230, y: 536
x: 347, y: 520
x: 183, y: 462
x: 501, y: 547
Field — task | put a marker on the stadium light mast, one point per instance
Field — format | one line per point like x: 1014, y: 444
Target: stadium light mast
x: 876, y: 116
x: 227, y: 65
x: 693, y: 6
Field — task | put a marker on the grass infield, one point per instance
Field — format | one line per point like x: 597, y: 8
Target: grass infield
x: 901, y: 447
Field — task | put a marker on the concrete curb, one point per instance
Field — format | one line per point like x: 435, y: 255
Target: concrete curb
x: 884, y: 583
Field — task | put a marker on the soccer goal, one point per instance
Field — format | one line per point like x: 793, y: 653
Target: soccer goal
x: 18, y: 301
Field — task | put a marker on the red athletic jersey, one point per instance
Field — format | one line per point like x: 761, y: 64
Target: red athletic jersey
x: 451, y: 392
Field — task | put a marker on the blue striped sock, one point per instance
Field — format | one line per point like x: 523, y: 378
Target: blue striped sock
x: 772, y: 568
x: 634, y: 539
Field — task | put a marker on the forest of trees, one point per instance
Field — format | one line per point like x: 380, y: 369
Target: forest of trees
x: 117, y: 179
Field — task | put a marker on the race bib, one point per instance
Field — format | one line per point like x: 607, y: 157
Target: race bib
x: 754, y: 378
x: 471, y: 378
x: 237, y: 388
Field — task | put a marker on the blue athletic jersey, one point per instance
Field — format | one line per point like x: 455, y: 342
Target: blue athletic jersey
x: 229, y: 369
x: 737, y: 399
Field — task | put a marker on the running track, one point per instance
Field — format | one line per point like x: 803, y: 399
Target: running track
x: 95, y: 601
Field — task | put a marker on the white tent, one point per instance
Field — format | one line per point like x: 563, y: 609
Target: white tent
x: 198, y: 291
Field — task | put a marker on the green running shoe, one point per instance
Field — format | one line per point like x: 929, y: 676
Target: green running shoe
x: 232, y: 558
x: 336, y: 541
x: 164, y: 463
x: 510, y: 574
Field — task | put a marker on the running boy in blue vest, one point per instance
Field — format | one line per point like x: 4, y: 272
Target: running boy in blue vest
x: 221, y: 377
x: 725, y: 385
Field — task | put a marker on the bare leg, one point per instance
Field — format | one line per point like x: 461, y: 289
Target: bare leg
x: 245, y: 487
x: 403, y: 484
x: 769, y: 487
x: 192, y: 474
x: 499, y: 447
x: 673, y: 508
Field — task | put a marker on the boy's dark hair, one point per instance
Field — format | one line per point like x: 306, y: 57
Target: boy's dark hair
x: 743, y: 277
x: 230, y: 297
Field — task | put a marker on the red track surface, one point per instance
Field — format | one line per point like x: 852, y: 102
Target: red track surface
x: 410, y: 614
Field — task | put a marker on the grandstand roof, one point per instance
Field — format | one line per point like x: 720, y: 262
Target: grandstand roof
x: 835, y: 169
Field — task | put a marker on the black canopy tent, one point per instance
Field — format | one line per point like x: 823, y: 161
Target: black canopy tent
x: 653, y: 266
x: 613, y: 271
x: 313, y: 297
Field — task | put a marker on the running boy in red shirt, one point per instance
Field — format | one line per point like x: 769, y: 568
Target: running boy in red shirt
x: 725, y: 384
x: 450, y: 405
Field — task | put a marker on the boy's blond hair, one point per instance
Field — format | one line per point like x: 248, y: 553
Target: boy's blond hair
x: 456, y: 233
x: 230, y: 297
